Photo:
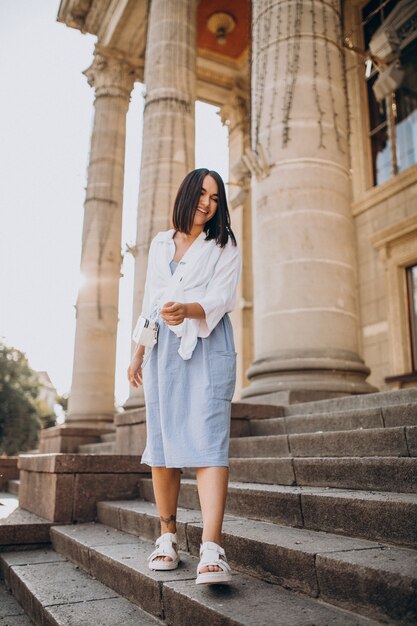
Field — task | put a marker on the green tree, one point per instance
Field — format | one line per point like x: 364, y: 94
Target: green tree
x: 63, y: 401
x: 46, y: 416
x: 20, y: 412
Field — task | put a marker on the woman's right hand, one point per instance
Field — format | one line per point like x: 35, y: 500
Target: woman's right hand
x: 134, y: 372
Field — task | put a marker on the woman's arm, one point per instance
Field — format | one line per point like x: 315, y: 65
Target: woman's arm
x: 134, y: 372
x: 220, y: 294
x: 174, y: 313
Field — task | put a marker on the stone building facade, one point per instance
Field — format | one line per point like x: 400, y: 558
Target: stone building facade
x: 320, y: 99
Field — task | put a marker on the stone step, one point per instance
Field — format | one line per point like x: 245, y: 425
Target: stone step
x: 11, y: 613
x: 19, y: 527
x: 288, y: 556
x: 362, y: 418
x: 13, y: 487
x: 379, y: 516
x: 375, y: 473
x: 53, y: 591
x: 283, y: 555
x: 243, y: 412
x: 108, y: 437
x: 119, y: 561
x: 252, y: 410
x: 380, y: 399
x: 395, y: 442
x: 106, y: 447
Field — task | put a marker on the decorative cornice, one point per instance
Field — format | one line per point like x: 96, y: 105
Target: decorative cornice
x: 392, y: 235
x: 111, y: 75
x: 74, y: 13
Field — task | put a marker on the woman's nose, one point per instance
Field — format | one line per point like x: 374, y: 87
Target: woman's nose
x: 206, y: 201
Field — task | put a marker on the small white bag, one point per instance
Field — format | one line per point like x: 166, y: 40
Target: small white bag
x: 146, y: 332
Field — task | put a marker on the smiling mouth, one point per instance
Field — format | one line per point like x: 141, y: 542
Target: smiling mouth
x: 202, y: 211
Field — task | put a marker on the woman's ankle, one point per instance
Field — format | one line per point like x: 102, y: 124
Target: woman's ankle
x: 214, y: 538
x: 168, y: 524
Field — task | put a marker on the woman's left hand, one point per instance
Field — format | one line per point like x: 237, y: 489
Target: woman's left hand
x: 174, y: 313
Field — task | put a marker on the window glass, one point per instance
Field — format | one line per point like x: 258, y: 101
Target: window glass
x: 406, y: 99
x: 373, y: 15
x: 380, y: 144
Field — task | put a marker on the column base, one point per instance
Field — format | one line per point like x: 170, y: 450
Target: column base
x: 289, y: 377
x: 91, y: 420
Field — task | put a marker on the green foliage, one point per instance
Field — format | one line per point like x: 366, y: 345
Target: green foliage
x: 46, y: 416
x: 22, y: 415
x: 63, y: 401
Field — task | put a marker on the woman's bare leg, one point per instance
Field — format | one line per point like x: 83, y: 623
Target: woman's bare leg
x: 166, y: 487
x: 212, y: 490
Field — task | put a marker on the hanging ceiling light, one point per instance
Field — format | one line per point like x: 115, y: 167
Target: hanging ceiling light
x: 221, y: 24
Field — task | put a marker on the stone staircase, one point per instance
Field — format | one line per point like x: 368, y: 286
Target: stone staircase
x: 106, y: 445
x: 320, y: 528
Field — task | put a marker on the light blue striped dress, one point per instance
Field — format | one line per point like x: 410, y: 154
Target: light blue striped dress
x: 188, y: 402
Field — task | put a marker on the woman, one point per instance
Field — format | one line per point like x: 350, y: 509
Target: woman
x: 193, y: 271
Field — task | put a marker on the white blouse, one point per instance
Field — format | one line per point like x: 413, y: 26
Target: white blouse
x: 207, y: 274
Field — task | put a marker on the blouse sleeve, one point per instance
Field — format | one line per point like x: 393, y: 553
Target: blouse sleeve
x: 220, y: 296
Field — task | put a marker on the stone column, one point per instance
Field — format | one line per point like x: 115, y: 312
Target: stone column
x: 91, y: 401
x: 305, y: 316
x: 168, y: 129
x: 235, y: 114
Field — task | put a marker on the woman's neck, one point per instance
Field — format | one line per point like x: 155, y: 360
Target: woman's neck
x: 193, y: 234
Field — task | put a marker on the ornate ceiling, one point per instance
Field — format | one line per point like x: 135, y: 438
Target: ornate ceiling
x: 237, y: 41
x: 121, y: 26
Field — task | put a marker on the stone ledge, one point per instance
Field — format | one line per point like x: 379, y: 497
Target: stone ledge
x: 66, y: 487
x: 135, y: 416
x: 60, y: 463
x: 8, y: 470
x: 67, y: 438
x: 71, y: 431
x: 376, y: 195
x: 23, y: 528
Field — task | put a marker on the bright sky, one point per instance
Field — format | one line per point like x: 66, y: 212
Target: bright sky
x: 45, y: 127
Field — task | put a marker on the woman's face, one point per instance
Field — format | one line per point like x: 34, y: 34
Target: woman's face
x: 207, y: 205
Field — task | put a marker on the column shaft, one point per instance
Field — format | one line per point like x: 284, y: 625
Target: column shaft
x: 235, y: 114
x: 168, y: 129
x: 91, y: 400
x: 306, y: 324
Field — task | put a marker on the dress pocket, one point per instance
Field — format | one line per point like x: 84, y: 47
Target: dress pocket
x: 222, y: 374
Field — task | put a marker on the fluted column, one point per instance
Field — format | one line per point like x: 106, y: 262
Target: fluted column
x: 91, y: 400
x: 168, y: 129
x: 305, y: 316
x: 235, y: 114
